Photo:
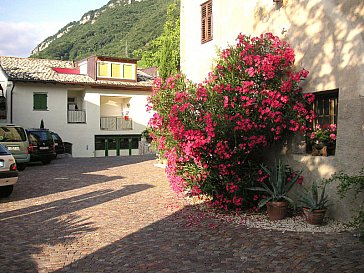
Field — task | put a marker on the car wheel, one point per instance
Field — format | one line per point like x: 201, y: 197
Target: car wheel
x: 5, y: 191
x: 21, y: 167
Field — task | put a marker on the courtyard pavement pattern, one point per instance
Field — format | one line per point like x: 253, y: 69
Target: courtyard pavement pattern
x: 118, y: 214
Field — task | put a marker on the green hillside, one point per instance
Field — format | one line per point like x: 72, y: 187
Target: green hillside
x: 117, y: 29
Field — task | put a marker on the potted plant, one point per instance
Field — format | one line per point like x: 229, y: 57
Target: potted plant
x: 323, y: 139
x: 146, y: 135
x: 280, y: 181
x: 314, y: 204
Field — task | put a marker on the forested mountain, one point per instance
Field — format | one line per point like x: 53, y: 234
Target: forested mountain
x: 116, y: 29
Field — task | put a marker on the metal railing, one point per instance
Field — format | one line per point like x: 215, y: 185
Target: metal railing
x: 116, y: 123
x: 76, y: 116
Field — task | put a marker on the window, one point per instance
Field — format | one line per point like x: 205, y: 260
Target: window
x: 115, y: 71
x: 40, y: 101
x: 103, y: 69
x: 322, y: 140
x: 128, y: 71
x: 206, y: 22
x: 325, y: 107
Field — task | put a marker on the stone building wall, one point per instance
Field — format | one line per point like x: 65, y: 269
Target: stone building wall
x: 328, y: 39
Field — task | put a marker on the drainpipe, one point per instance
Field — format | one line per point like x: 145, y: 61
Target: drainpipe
x: 11, y: 102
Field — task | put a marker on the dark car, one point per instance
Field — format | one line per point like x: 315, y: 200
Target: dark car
x: 58, y: 142
x: 41, y: 145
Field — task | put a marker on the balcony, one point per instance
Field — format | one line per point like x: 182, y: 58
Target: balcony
x: 76, y: 116
x: 116, y: 123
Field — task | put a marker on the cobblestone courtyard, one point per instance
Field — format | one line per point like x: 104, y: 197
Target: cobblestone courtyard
x: 119, y: 215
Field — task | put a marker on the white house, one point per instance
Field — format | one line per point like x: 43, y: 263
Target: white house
x: 327, y: 37
x: 97, y: 104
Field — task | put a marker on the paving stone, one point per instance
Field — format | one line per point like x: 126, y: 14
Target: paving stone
x: 118, y: 214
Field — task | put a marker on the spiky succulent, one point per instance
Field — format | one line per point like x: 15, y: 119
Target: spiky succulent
x: 311, y: 198
x: 281, y: 181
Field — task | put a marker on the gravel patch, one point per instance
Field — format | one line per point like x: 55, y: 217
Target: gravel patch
x: 295, y: 223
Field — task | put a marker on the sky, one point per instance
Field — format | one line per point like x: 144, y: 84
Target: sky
x: 26, y: 23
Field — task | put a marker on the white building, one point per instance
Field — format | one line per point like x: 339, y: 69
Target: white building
x: 97, y: 104
x: 327, y: 37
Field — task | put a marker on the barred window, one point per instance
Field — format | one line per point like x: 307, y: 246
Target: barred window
x: 322, y: 140
x: 325, y: 107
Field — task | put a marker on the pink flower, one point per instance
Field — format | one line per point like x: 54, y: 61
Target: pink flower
x: 226, y: 101
x: 332, y: 127
x: 300, y: 180
x: 250, y: 71
x: 304, y: 73
x: 309, y: 97
x: 333, y: 136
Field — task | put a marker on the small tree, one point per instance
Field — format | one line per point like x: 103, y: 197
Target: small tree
x: 164, y: 51
x: 210, y: 132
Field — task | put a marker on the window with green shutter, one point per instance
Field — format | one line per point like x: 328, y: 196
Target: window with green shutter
x: 40, y: 101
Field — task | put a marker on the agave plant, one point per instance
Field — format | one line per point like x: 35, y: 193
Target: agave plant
x: 281, y: 181
x: 311, y: 198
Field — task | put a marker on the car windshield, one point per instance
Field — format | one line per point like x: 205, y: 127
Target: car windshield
x: 3, y: 150
x: 56, y: 136
x: 41, y: 135
x: 12, y: 134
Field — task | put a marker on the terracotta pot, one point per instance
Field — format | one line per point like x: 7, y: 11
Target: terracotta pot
x: 314, y: 217
x: 277, y: 210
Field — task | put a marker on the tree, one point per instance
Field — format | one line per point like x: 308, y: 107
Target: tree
x: 213, y: 133
x: 164, y: 52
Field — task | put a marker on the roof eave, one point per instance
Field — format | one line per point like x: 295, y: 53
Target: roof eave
x: 100, y: 86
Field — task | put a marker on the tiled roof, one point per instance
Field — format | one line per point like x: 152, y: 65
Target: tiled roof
x: 29, y: 69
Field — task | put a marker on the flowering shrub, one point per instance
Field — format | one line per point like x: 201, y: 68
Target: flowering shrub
x: 211, y: 132
x: 326, y: 135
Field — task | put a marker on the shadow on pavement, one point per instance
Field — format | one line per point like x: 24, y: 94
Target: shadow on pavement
x: 189, y: 241
x: 30, y: 230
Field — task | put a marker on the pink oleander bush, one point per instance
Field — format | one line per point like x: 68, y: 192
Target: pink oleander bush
x: 210, y: 132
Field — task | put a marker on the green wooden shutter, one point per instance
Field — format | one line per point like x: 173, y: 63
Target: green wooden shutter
x: 39, y: 101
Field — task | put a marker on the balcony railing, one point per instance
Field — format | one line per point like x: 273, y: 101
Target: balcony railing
x: 116, y: 123
x: 76, y: 116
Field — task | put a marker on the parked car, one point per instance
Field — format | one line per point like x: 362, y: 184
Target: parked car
x: 41, y: 145
x: 8, y: 172
x: 58, y: 142
x: 15, y: 140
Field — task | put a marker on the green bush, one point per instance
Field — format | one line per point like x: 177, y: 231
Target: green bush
x: 351, y: 183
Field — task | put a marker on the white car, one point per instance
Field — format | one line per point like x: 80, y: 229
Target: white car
x: 8, y: 172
